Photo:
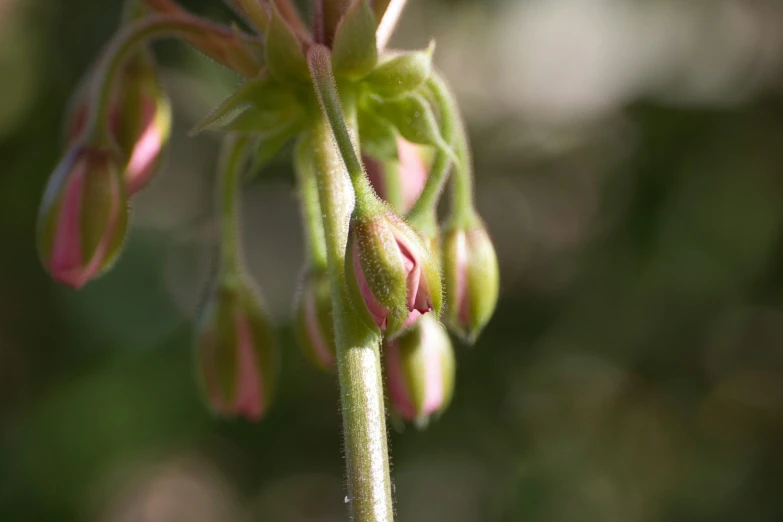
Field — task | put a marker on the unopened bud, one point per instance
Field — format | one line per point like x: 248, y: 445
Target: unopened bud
x: 390, y: 272
x: 420, y: 371
x: 410, y: 170
x: 83, y: 215
x: 139, y: 119
x: 237, y: 351
x: 471, y: 280
x: 314, y: 320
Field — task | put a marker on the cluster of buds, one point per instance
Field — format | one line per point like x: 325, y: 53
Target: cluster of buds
x: 398, y: 264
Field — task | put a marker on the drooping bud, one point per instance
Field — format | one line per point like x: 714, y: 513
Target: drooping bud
x: 420, y: 371
x: 83, y: 215
x: 471, y: 280
x: 139, y: 119
x: 314, y: 320
x: 142, y: 122
x: 236, y: 350
x: 390, y: 273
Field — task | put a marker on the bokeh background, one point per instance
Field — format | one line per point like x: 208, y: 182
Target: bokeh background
x: 629, y: 161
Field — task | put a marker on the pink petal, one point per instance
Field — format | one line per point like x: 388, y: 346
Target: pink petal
x: 398, y: 391
x: 314, y: 332
x: 249, y: 392
x: 66, y: 256
x: 145, y: 152
x: 413, y: 173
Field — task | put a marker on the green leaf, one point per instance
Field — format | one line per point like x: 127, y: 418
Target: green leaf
x: 402, y: 74
x: 378, y: 136
x: 355, y: 51
x: 284, y: 55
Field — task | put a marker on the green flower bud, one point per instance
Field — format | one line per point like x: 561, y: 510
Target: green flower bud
x: 391, y: 277
x: 420, y: 368
x: 236, y: 350
x: 83, y: 217
x: 471, y: 280
x: 354, y: 52
x: 314, y: 323
x: 402, y: 74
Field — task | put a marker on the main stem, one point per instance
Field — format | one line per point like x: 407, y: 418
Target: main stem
x: 358, y: 347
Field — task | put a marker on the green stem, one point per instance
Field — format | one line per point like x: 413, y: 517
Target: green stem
x: 311, y: 208
x: 125, y: 43
x: 358, y: 352
x: 441, y: 166
x: 463, y: 209
x: 320, y: 61
x: 358, y: 347
x: 232, y: 157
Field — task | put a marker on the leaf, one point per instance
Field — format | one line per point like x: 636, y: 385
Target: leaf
x: 355, y: 51
x: 284, y: 55
x: 402, y: 74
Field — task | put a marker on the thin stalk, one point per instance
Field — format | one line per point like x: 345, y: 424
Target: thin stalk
x: 232, y: 158
x: 124, y: 45
x: 311, y: 208
x: 441, y: 166
x: 358, y: 347
x: 463, y: 209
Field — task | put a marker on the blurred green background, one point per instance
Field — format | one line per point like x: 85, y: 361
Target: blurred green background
x: 629, y: 161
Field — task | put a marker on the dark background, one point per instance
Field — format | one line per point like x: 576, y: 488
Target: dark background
x: 629, y: 162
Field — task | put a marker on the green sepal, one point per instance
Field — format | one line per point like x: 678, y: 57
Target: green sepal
x: 414, y: 119
x: 401, y: 74
x: 260, y: 93
x: 270, y: 144
x: 378, y: 136
x: 284, y: 55
x: 355, y: 51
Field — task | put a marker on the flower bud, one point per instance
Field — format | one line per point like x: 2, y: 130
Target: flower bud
x: 314, y: 322
x: 142, y: 123
x: 83, y: 216
x: 410, y: 170
x: 420, y: 371
x: 139, y: 119
x: 470, y: 269
x: 236, y: 351
x: 390, y: 273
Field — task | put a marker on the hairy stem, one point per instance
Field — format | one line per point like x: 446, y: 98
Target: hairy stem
x: 358, y: 347
x: 320, y: 61
x: 438, y: 175
x: 311, y: 207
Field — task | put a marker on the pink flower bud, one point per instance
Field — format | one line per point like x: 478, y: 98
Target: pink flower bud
x: 471, y: 280
x: 409, y: 167
x: 390, y: 272
x: 140, y: 119
x: 314, y: 324
x: 83, y: 216
x: 237, y: 352
x: 420, y: 371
